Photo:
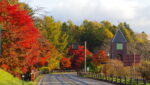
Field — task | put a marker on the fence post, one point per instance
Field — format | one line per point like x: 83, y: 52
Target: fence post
x: 106, y: 77
x: 130, y: 81
x: 144, y: 81
x: 125, y: 80
x: 98, y: 76
x: 90, y: 74
x: 137, y: 81
x: 120, y: 80
x: 116, y: 79
x: 93, y: 75
x: 112, y: 79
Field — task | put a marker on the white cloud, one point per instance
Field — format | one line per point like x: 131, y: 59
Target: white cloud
x: 93, y: 9
x: 134, y: 12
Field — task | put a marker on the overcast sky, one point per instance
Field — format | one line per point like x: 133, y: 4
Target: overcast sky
x: 134, y: 12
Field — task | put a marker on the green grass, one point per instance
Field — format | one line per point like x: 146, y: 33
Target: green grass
x: 8, y: 79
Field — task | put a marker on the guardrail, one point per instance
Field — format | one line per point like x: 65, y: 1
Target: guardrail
x: 114, y: 79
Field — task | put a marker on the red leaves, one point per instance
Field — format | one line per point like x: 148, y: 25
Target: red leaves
x: 4, y: 66
x: 24, y: 69
x: 65, y: 63
x: 79, y: 54
x: 23, y: 50
x: 100, y: 57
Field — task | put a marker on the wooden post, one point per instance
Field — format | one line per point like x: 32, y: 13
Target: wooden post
x: 112, y: 78
x: 144, y: 81
x: 125, y: 80
x: 100, y: 76
x: 96, y: 76
x: 137, y: 81
x: 130, y: 81
x: 116, y: 79
x: 120, y: 80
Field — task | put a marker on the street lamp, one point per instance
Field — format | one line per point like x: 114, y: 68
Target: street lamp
x: 75, y: 47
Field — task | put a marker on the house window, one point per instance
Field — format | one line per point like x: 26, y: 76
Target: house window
x: 119, y: 46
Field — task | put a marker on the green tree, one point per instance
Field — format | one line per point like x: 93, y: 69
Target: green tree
x: 53, y: 32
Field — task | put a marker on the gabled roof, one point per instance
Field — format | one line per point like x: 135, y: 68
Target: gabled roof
x: 119, y: 37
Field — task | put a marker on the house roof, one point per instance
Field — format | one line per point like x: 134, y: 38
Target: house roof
x: 119, y: 37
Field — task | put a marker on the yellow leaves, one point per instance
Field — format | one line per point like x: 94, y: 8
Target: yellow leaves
x: 108, y: 34
x: 128, y: 35
x: 141, y: 37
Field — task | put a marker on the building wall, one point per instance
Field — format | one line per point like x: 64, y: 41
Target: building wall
x: 131, y: 59
x: 115, y: 52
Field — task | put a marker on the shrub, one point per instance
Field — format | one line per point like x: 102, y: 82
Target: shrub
x: 116, y: 68
x: 144, y: 69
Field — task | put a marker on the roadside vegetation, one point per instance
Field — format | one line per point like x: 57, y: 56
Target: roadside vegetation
x: 8, y: 79
x: 31, y: 44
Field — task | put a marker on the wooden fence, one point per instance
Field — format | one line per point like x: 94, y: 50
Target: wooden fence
x: 114, y: 79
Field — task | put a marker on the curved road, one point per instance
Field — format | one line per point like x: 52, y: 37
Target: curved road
x: 68, y: 79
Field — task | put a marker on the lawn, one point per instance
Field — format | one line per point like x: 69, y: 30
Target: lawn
x: 8, y: 79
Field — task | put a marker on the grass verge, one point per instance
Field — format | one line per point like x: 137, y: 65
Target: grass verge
x: 8, y: 79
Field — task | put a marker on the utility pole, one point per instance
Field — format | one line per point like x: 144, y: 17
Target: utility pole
x: 85, y: 56
x: 134, y: 54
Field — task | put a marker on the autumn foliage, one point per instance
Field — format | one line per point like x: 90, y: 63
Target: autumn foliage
x: 100, y: 57
x: 78, y: 56
x: 65, y: 63
x: 22, y: 48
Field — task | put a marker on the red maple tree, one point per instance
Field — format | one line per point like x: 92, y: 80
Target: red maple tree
x: 100, y: 57
x: 65, y: 63
x: 21, y: 46
x: 78, y: 56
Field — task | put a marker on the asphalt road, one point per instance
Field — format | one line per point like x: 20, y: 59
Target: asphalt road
x: 68, y: 79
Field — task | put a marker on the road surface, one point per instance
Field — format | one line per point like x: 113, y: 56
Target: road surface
x: 68, y: 79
